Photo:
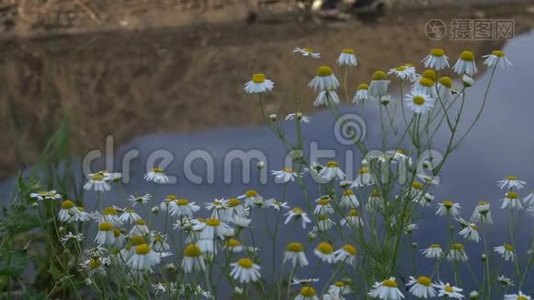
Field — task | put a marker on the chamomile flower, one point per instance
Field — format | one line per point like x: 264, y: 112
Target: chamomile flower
x: 68, y: 211
x: 465, y: 64
x: 337, y: 290
x: 325, y: 252
x: 404, y: 72
x: 182, y: 207
x: 332, y: 171
x: 497, y: 58
x: 511, y: 182
x: 240, y: 221
x: 193, y: 259
x: 139, y: 228
x: 307, y: 293
x: 105, y: 235
x: 323, y: 206
x: 349, y: 200
x: 421, y: 287
x: 425, y: 85
x: 386, y: 290
x: 46, y: 195
x: 234, y: 208
x: 436, y: 60
x: 512, y: 201
x: 299, y: 117
x: 258, y: 84
x: 346, y: 254
x: 307, y: 52
x: 445, y: 89
x: 518, y: 296
x: 352, y: 219
x: 375, y: 202
x: 276, y: 204
x: 284, y: 176
x: 245, y: 270
x: 506, y: 251
x: 448, y: 208
x: 446, y: 289
x: 167, y: 201
x: 482, y: 213
x: 362, y: 94
x: 294, y: 253
x: 433, y: 251
x: 158, y: 242
x: 324, y: 223
x: 70, y: 236
x: 139, y: 199
x: 379, y: 85
x: 297, y: 213
x: 457, y: 253
x: 468, y: 81
x: 233, y: 245
x: 212, y: 228
x: 364, y: 177
x: 505, y: 282
x: 419, y: 102
x: 252, y: 198
x: 109, y: 214
x: 529, y: 199
x: 143, y: 258
x: 324, y: 80
x: 94, y: 266
x: 326, y: 97
x: 156, y: 175
x: 129, y: 216
x: 347, y: 58
x: 469, y: 231
x: 97, y: 182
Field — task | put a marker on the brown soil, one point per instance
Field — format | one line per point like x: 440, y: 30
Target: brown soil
x: 128, y: 83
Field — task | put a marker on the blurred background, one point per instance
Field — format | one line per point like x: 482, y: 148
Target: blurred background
x: 132, y: 67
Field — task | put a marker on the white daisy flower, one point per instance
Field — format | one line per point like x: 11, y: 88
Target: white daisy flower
x: 457, y: 253
x: 512, y: 201
x: 482, y: 213
x: 511, y: 182
x: 252, y: 198
x: 465, y: 64
x: 419, y: 102
x: 182, y: 207
x: 295, y: 254
x: 436, y: 60
x: 469, y: 231
x: 241, y: 221
x: 529, y: 199
x: 46, y: 195
x: 326, y: 97
x: 109, y: 214
x: 213, y: 228
x: 332, y: 171
x: 245, y: 270
x: 324, y: 223
x: 364, y: 177
x: 276, y: 204
x: 139, y: 199
x: 505, y: 281
x: 68, y: 211
x: 506, y: 251
x: 167, y: 201
x: 497, y: 58
x: 143, y: 258
x: 156, y: 175
x: 325, y: 252
x: 362, y: 94
x: 139, y: 228
x: 433, y: 251
x: 518, y: 296
x: 94, y: 266
x: 386, y: 290
x: 379, y: 85
x: 193, y: 259
x: 468, y: 81
x: 448, y: 208
x: 233, y: 245
x: 105, y: 235
x: 70, y: 236
x: 307, y: 293
x: 347, y: 58
x: 349, y: 200
x: 97, y: 182
x: 284, y: 176
x: 258, y: 84
x: 234, y: 208
x: 421, y: 287
x: 299, y: 117
x: 307, y: 52
x: 404, y: 72
x: 445, y: 89
x: 129, y: 216
x: 446, y: 289
x: 352, y: 219
x: 337, y: 290
x: 323, y: 206
x: 324, y: 80
x: 158, y: 242
x: 346, y: 254
x: 297, y: 213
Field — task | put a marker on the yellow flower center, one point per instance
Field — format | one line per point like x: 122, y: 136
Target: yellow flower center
x: 325, y: 248
x: 457, y: 246
x: 233, y: 202
x: 116, y: 232
x: 105, y: 226
x: 435, y: 246
x: 348, y: 193
x: 309, y: 50
x: 182, y: 202
x: 389, y: 283
x: 171, y: 197
x: 348, y: 51
x: 142, y: 249
x: 508, y: 247
x: 340, y: 284
x: 448, y: 288
x: 424, y: 280
x: 498, y: 53
x: 308, y: 291
x: 417, y: 185
x: 363, y: 86
x: 213, y: 222
x: 322, y: 217
x: 512, y: 195
x: 67, y: 204
x: 295, y: 247
x: 94, y: 263
x: 97, y: 177
x: 233, y: 243
x: 353, y: 213
x: 375, y: 193
x: 324, y: 71
x: 430, y: 74
x: 401, y: 68
x: 379, y: 75
x: 467, y: 56
x: 418, y: 100
x: 332, y: 164
x: 258, y: 78
x: 297, y: 210
x: 192, y: 250
x: 140, y: 222
x: 426, y: 82
x: 323, y: 201
x: 287, y: 170
x: 448, y: 204
x: 251, y: 193
x: 511, y: 177
x: 522, y: 298
x: 350, y: 249
x: 137, y: 240
x: 110, y: 211
x: 446, y: 81
x: 245, y: 263
x: 157, y: 170
x: 363, y: 170
x: 437, y: 52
